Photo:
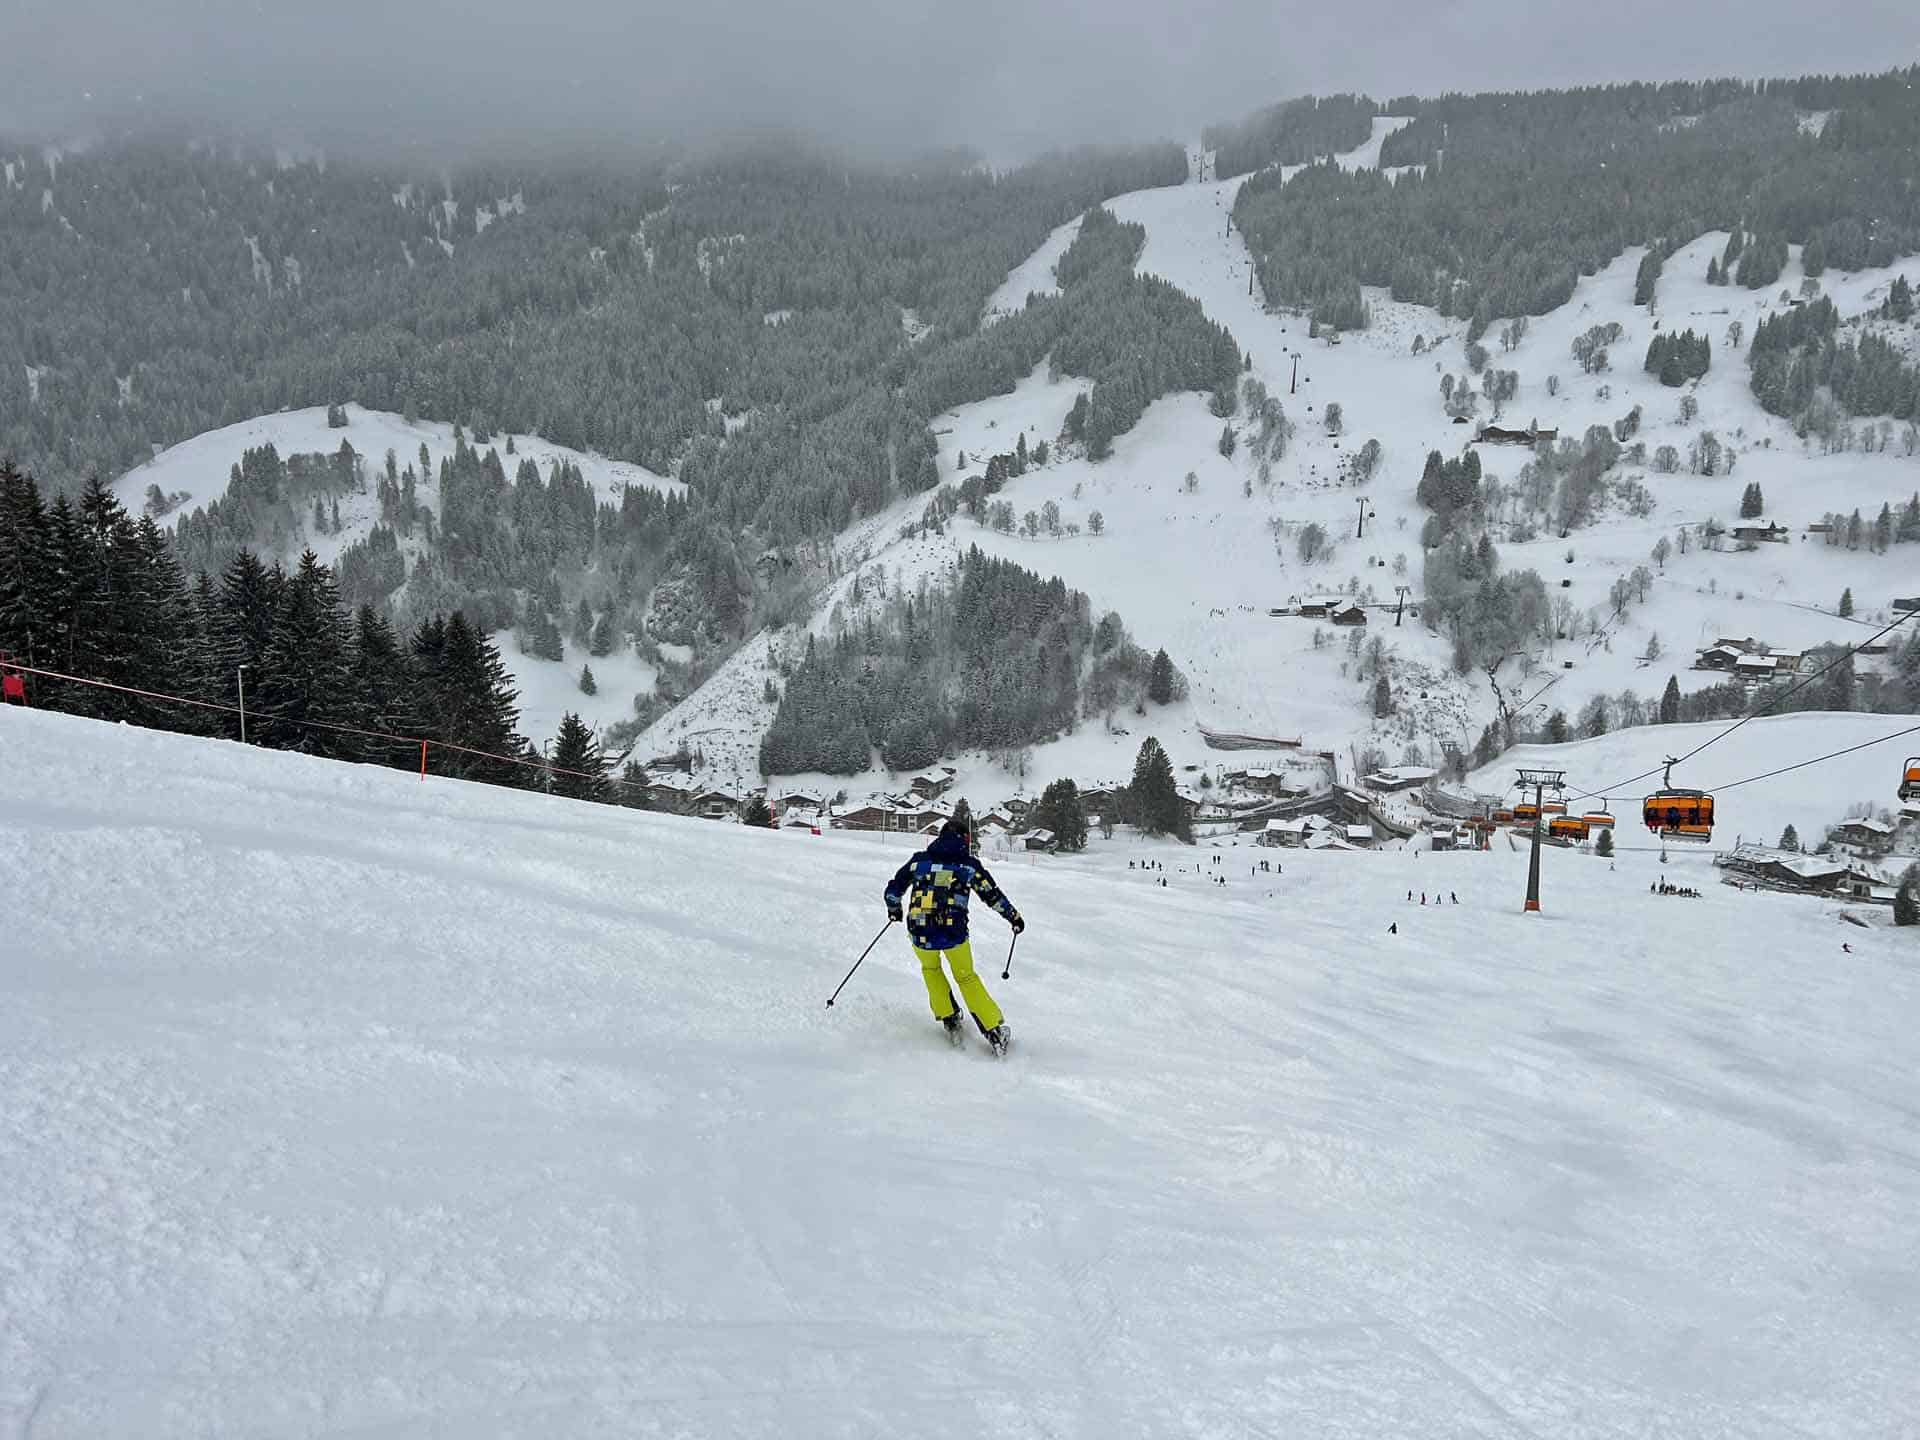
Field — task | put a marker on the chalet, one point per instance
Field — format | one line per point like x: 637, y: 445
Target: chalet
x: 1017, y: 806
x: 1495, y: 435
x: 1445, y: 837
x: 1756, y: 667
x: 1287, y: 834
x: 1392, y: 778
x: 1717, y: 657
x: 1359, y: 835
x: 1102, y: 797
x: 1768, y: 534
x: 672, y: 793
x: 1260, y: 781
x: 994, y: 822
x: 871, y: 815
x: 1038, y: 840
x: 1864, y: 833
x: 933, y: 784
x: 714, y: 804
x: 1906, y: 605
x: 1352, y: 615
x: 1819, y: 527
x: 798, y: 800
x: 1318, y: 607
x: 1748, y: 646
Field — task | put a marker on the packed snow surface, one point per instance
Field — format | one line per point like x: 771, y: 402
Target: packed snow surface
x: 335, y: 1102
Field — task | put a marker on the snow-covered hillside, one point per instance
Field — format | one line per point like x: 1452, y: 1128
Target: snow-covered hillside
x: 332, y: 1102
x: 1196, y: 552
x: 195, y: 473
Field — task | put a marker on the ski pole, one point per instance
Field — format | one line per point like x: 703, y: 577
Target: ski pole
x: 856, y: 964
x: 1007, y: 974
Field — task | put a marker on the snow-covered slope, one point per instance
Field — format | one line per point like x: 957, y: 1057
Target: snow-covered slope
x: 332, y: 1102
x: 198, y: 469
x: 1197, y: 566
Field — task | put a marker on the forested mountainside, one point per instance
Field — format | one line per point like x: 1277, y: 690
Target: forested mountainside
x: 1293, y: 132
x: 152, y: 289
x: 997, y: 659
x: 1520, y: 193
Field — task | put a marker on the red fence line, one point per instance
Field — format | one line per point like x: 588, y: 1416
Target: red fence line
x: 327, y: 725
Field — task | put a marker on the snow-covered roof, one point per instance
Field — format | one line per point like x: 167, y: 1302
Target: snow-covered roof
x: 1868, y: 823
x: 1286, y: 827
x: 1045, y: 837
x: 1756, y: 662
x: 1403, y: 774
x: 1359, y: 832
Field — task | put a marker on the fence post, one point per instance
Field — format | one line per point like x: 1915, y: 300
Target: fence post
x: 423, y: 760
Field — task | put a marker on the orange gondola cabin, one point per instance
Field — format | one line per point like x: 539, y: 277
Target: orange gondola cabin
x: 1910, y: 778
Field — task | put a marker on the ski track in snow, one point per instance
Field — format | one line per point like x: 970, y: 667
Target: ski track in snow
x: 332, y: 1102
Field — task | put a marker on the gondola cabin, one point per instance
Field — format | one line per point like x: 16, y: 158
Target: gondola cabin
x: 1567, y: 827
x: 1910, y: 778
x: 1681, y: 814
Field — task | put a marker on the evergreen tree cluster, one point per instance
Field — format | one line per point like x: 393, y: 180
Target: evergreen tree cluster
x: 1523, y: 193
x: 1292, y: 132
x: 998, y: 660
x: 89, y: 591
x: 1798, y: 356
x: 1678, y: 358
x: 1061, y: 811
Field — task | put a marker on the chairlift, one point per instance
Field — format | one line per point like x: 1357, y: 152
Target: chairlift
x: 1910, y: 778
x: 1675, y: 813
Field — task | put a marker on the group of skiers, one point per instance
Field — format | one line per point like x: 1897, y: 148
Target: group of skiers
x: 1436, y: 897
x: 1663, y: 888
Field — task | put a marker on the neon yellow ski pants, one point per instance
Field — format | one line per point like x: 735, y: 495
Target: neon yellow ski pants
x: 940, y: 994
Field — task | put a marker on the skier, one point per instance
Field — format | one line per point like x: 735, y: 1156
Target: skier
x: 938, y: 879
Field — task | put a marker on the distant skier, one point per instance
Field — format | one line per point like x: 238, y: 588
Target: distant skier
x: 933, y: 885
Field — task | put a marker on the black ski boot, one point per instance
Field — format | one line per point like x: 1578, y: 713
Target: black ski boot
x: 999, y: 1037
x: 951, y: 1024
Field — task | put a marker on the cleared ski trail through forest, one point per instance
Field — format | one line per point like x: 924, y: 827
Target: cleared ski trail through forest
x: 336, y: 1103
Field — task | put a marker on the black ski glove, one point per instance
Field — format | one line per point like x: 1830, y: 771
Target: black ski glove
x: 1018, y: 924
x: 893, y: 912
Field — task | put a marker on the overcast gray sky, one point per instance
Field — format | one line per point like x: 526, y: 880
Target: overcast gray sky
x: 1007, y: 76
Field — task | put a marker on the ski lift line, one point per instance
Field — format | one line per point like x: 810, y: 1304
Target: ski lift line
x: 1831, y: 755
x: 1786, y: 694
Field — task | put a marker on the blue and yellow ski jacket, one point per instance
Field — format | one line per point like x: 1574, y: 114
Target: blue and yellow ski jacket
x: 940, y: 877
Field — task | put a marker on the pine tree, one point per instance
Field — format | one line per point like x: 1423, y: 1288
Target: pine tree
x: 304, y: 672
x: 1382, y: 697
x: 579, y: 770
x: 1846, y: 603
x: 1906, y: 900
x: 587, y: 684
x: 582, y: 622
x: 1603, y: 847
x: 469, y: 701
x: 1789, y: 838
x: 601, y: 643
x: 1153, y: 797
x: 757, y: 813
x: 380, y: 689
x: 1160, y: 679
x: 1670, y: 701
x: 1061, y: 811
x: 1557, y: 730
x: 963, y: 817
x: 1228, y: 440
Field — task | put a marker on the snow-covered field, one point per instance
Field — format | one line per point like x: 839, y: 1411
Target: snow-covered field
x: 332, y: 1102
x: 199, y: 469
